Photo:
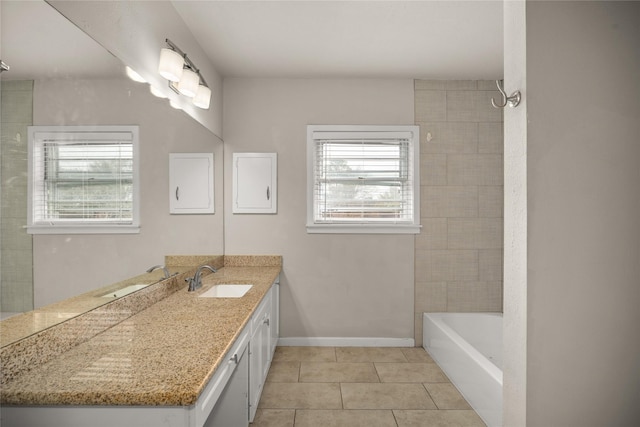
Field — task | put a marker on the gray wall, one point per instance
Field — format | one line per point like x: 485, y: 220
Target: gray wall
x: 332, y: 285
x: 459, y: 251
x: 583, y: 210
x: 67, y: 265
x: 16, y: 274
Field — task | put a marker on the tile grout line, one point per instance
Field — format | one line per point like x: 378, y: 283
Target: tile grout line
x: 430, y: 397
x: 393, y: 413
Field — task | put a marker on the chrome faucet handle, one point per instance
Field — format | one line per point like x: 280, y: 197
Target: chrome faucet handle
x: 191, y: 281
x: 195, y: 282
x: 164, y: 269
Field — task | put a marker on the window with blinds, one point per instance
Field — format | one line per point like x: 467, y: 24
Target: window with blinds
x: 363, y: 179
x: 83, y: 179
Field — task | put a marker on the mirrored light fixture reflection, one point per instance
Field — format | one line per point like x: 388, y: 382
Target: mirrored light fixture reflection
x: 184, y: 77
x: 157, y: 92
x: 133, y: 75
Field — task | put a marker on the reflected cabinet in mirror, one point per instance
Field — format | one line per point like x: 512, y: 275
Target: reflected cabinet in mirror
x: 59, y: 76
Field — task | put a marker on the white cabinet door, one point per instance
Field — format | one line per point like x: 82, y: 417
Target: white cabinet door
x: 255, y: 372
x: 191, y: 183
x: 255, y: 182
x: 259, y: 352
x: 231, y: 407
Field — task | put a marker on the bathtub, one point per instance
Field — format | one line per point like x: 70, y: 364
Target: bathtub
x: 468, y: 348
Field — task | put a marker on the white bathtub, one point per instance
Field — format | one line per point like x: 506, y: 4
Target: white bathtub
x: 468, y: 348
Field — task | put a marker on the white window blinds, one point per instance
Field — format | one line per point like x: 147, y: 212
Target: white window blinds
x: 364, y: 176
x: 83, y: 176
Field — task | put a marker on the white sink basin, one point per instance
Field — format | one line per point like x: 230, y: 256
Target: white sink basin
x: 231, y: 290
x: 124, y: 291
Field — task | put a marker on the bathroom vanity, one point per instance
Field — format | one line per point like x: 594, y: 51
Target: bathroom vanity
x: 187, y: 360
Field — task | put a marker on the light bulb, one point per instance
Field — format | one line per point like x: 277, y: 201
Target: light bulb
x: 171, y: 65
x: 203, y: 97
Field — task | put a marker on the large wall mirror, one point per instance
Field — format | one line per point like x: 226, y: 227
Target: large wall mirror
x: 59, y: 76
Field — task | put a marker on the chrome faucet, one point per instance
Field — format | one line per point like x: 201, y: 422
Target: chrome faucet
x: 155, y: 267
x: 195, y: 282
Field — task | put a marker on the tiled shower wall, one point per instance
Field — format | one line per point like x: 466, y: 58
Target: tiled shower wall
x: 458, y: 265
x: 16, y: 270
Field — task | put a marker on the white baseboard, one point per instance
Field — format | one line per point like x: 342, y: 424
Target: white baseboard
x: 345, y: 342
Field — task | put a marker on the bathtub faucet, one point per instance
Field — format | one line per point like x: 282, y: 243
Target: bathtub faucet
x: 195, y: 282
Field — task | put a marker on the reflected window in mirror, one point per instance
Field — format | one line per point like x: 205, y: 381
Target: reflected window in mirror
x: 83, y: 179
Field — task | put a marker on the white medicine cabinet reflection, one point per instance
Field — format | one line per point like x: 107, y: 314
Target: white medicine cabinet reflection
x: 191, y: 183
x: 255, y: 184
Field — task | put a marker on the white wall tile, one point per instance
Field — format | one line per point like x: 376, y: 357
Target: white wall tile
x: 433, y: 234
x: 475, y: 169
x: 446, y: 265
x: 472, y: 106
x: 487, y: 85
x: 433, y: 169
x: 490, y: 261
x: 430, y: 106
x: 430, y: 297
x: 475, y: 233
x: 446, y: 137
x: 21, y: 110
x: 467, y: 272
x: 490, y: 138
x: 490, y: 201
x: 474, y: 296
x: 449, y: 201
x: 447, y: 85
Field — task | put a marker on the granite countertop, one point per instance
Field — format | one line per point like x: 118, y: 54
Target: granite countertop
x: 163, y: 355
x: 31, y: 322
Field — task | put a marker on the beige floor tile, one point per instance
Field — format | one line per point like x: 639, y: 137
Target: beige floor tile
x: 417, y: 355
x: 284, y: 372
x: 301, y: 396
x: 370, y: 354
x: 446, y: 396
x: 443, y: 418
x: 305, y: 354
x: 345, y: 418
x: 385, y: 396
x: 410, y: 373
x: 274, y: 418
x: 330, y: 372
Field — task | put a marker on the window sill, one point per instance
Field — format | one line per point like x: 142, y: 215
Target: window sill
x: 83, y: 229
x: 362, y: 229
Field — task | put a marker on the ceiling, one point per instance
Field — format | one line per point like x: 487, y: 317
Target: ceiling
x: 38, y: 42
x: 415, y: 39
x: 302, y: 39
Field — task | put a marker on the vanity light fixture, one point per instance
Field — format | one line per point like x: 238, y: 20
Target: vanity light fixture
x: 203, y: 97
x: 188, y: 84
x: 171, y: 64
x: 184, y: 77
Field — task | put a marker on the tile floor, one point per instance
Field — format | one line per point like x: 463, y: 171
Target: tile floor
x: 360, y: 387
